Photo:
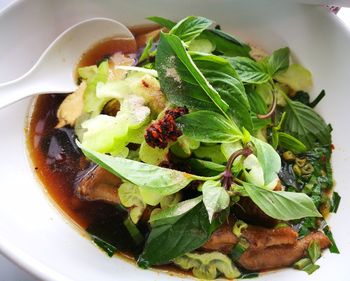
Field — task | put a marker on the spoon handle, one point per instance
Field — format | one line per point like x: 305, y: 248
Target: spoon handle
x: 15, y: 90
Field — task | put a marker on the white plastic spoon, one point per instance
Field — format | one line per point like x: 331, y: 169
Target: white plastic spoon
x: 53, y: 72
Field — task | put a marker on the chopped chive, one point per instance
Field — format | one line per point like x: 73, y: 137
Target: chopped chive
x: 314, y: 251
x: 335, y: 202
x: 249, y: 275
x: 239, y: 227
x: 103, y: 245
x: 317, y: 99
x: 309, y: 269
x: 333, y: 248
x: 239, y: 249
x: 301, y: 264
x: 134, y: 231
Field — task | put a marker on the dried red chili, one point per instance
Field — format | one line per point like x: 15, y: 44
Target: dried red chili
x: 162, y: 131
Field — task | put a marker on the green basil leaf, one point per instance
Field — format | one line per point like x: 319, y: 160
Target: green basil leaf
x: 305, y: 124
x: 181, y: 80
x: 249, y: 71
x: 282, y: 205
x: 215, y: 129
x: 205, y: 168
x: 226, y: 43
x: 258, y: 106
x: 177, y: 210
x: 169, y: 24
x: 222, y: 76
x: 210, y: 152
x: 158, y: 180
x: 215, y: 198
x: 189, y: 28
x: 289, y: 142
x: 278, y: 61
x: 268, y: 158
x: 169, y: 238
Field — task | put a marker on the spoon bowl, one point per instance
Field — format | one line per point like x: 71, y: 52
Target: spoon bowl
x: 53, y: 72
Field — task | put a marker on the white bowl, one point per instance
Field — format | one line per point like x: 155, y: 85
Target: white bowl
x: 34, y: 234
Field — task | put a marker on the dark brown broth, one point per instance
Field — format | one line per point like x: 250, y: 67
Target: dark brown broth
x: 58, y: 163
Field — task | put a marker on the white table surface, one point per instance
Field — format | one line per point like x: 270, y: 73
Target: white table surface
x: 11, y: 272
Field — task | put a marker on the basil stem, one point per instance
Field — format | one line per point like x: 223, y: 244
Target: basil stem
x: 227, y: 177
x: 272, y: 107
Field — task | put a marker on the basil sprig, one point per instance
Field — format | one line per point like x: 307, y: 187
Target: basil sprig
x: 173, y: 237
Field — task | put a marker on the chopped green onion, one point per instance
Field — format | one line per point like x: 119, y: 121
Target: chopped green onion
x: 105, y: 246
x: 239, y: 227
x: 134, y: 231
x: 301, y: 264
x: 314, y: 251
x: 309, y: 269
x: 249, y: 275
x: 239, y: 249
x: 317, y: 99
x: 333, y: 248
x: 335, y: 202
x: 146, y: 51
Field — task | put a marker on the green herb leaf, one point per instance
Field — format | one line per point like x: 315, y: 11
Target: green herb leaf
x: 314, y: 251
x: 180, y: 78
x: 222, y: 76
x: 282, y: 205
x: 189, y: 28
x: 169, y: 237
x: 268, y: 158
x: 145, y: 53
x: 177, y: 210
x: 215, y: 129
x: 305, y: 124
x: 149, y: 178
x: 215, y: 198
x: 205, y: 168
x: 278, y: 61
x: 169, y: 24
x: 289, y: 142
x: 249, y: 71
x: 226, y: 43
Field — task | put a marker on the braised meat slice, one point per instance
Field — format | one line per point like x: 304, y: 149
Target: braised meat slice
x: 261, y: 238
x: 222, y: 240
x: 268, y: 248
x: 277, y: 256
x: 98, y: 184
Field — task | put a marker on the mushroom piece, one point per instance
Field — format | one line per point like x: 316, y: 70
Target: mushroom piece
x: 98, y: 185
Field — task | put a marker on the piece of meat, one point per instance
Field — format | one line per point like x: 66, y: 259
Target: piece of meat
x: 98, y: 184
x: 261, y: 238
x: 222, y: 240
x: 277, y: 256
x: 249, y: 212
